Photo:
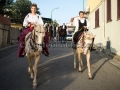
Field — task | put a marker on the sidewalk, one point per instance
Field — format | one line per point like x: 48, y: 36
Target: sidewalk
x: 114, y: 59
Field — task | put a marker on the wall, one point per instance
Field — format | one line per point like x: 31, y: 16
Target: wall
x: 14, y: 33
x: 4, y: 20
x: 8, y: 35
x: 4, y: 35
x: 108, y: 33
x: 93, y: 4
x: 112, y: 29
x: 96, y: 31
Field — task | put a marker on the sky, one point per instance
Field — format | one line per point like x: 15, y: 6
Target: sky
x: 67, y: 9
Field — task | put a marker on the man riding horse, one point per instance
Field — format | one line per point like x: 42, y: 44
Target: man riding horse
x: 62, y: 33
x: 82, y: 40
x: 81, y: 24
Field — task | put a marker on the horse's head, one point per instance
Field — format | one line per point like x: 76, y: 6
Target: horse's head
x: 38, y: 36
x: 88, y: 36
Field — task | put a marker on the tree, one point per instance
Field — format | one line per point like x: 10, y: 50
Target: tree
x: 5, y: 7
x: 55, y: 23
x: 20, y: 9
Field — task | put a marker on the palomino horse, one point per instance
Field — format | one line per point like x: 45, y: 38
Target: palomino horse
x: 87, y: 40
x: 33, y: 47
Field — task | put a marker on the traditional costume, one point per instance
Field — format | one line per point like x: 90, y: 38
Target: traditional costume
x: 29, y: 19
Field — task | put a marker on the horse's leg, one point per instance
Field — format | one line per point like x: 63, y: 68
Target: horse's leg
x: 74, y: 51
x: 35, y: 71
x: 79, y: 58
x: 63, y: 39
x: 30, y: 68
x: 49, y: 39
x: 81, y: 61
x: 88, y: 64
x: 60, y: 39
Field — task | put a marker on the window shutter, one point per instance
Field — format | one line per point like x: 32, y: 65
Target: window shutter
x: 118, y: 9
x: 108, y: 10
x: 97, y: 18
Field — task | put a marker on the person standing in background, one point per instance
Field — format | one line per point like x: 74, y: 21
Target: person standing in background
x: 64, y: 27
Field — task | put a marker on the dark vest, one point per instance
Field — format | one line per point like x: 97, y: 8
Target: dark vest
x: 82, y: 24
x: 79, y: 33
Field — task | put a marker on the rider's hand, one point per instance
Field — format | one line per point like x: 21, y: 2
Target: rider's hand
x: 28, y: 25
x: 85, y: 27
x: 32, y: 25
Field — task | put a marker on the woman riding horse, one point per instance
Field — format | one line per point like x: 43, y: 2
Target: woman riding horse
x: 28, y: 23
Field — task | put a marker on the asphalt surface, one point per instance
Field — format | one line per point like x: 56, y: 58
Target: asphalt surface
x: 56, y: 72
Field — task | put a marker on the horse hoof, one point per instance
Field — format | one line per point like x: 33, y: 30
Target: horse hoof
x: 80, y: 71
x: 34, y: 87
x: 74, y: 67
x: 28, y: 70
x: 90, y: 78
x: 31, y: 77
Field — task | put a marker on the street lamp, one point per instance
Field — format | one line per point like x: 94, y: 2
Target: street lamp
x: 52, y: 11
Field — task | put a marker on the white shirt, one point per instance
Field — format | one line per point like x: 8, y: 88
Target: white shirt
x: 32, y: 18
x: 76, y: 23
x: 63, y: 26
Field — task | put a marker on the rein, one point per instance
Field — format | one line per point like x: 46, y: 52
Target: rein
x: 35, y: 46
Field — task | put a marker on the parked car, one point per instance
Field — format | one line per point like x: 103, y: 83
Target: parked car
x: 69, y: 37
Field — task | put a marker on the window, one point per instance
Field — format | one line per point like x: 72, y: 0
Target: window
x: 108, y: 10
x: 118, y: 9
x: 97, y: 18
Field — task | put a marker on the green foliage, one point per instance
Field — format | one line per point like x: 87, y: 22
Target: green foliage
x: 55, y: 23
x: 5, y: 7
x: 16, y: 10
x: 19, y: 10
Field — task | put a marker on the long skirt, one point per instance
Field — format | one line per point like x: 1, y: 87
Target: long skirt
x: 21, y: 42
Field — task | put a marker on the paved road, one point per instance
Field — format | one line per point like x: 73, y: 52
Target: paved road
x: 56, y: 72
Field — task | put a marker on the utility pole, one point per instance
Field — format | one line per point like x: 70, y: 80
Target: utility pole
x: 52, y: 11
x: 83, y: 5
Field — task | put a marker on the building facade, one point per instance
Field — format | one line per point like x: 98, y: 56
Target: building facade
x: 104, y: 18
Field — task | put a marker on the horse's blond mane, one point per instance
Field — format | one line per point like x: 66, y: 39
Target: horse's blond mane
x: 39, y: 28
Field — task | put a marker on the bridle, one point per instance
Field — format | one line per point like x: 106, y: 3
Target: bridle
x: 35, y: 46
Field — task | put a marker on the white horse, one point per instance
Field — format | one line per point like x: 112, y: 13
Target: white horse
x: 33, y: 48
x: 87, y: 40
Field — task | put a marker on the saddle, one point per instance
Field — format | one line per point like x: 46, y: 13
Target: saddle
x: 85, y: 41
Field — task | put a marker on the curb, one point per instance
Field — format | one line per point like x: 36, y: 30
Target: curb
x: 8, y: 50
x: 114, y: 56
x: 115, y: 63
x: 115, y: 59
